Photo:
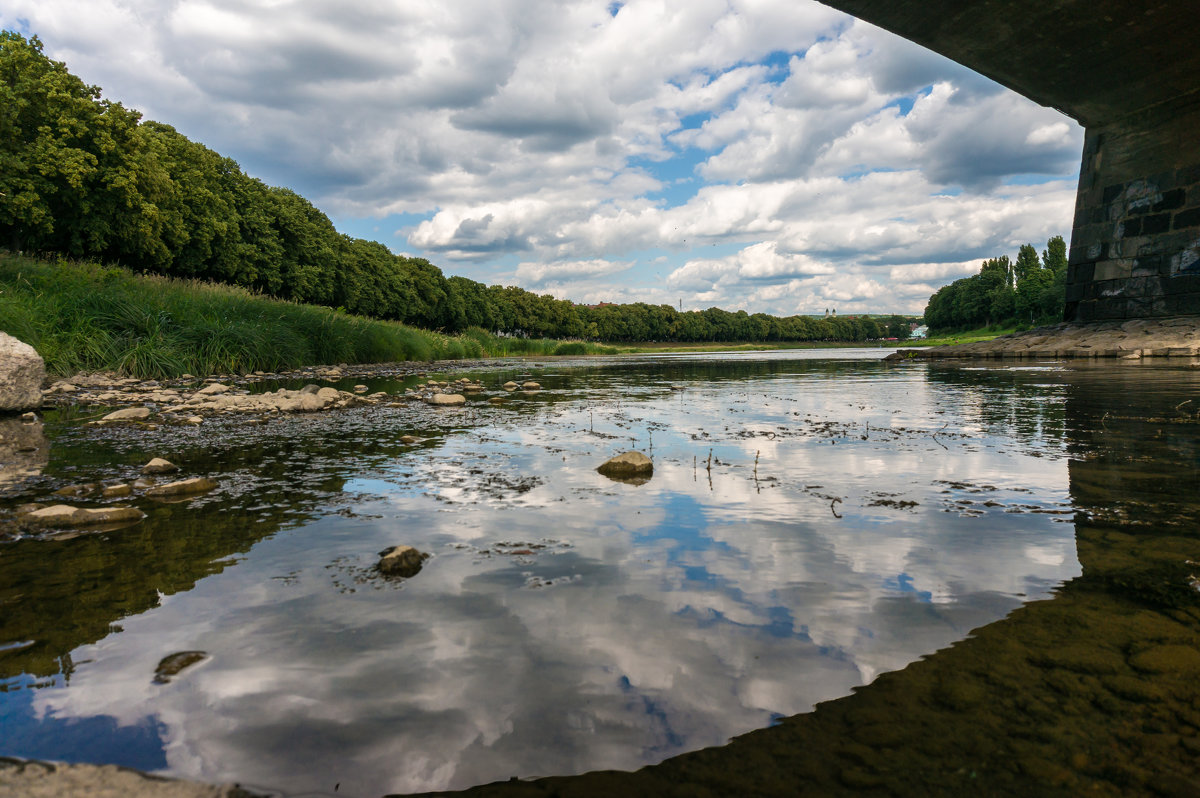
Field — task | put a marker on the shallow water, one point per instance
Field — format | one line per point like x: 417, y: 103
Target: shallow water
x: 814, y: 520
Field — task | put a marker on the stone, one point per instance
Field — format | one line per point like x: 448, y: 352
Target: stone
x: 408, y: 439
x: 184, y: 487
x: 22, y: 371
x: 213, y: 389
x: 627, y: 464
x: 172, y: 665
x: 447, y: 399
x: 29, y: 418
x: 193, y: 420
x: 403, y: 561
x: 159, y: 466
x: 60, y: 515
x: 128, y: 414
x: 530, y: 385
x: 75, y: 490
x: 116, y: 491
x: 510, y: 386
x: 24, y: 450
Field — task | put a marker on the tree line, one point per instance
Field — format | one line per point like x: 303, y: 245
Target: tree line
x: 1024, y: 293
x: 85, y: 177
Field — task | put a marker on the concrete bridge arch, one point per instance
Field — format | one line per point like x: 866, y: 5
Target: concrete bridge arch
x: 1129, y: 72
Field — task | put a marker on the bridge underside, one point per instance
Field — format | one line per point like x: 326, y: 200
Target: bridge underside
x: 1130, y: 73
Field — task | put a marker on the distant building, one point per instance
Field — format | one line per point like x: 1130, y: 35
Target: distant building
x: 919, y: 332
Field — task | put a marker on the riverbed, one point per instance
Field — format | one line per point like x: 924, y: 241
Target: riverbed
x: 814, y: 520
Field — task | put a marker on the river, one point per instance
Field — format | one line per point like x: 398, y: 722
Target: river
x: 814, y: 519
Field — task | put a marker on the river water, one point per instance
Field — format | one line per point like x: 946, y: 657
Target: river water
x: 815, y: 519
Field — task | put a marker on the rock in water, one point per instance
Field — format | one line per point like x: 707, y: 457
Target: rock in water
x: 627, y: 464
x: 61, y: 515
x: 172, y: 665
x: 401, y: 561
x: 184, y: 487
x: 447, y: 399
x: 128, y: 414
x: 21, y: 373
x: 159, y: 466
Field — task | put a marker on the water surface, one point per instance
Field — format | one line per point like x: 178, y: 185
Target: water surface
x: 814, y: 520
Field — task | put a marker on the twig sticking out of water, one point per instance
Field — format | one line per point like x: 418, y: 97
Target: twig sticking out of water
x: 833, y: 507
x: 1102, y: 424
x: 1179, y: 406
x: 709, y: 466
x: 934, y: 436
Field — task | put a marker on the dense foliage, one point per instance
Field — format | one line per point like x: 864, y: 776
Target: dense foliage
x: 89, y: 317
x: 1027, y: 292
x: 84, y: 177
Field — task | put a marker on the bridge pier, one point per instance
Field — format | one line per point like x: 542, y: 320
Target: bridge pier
x: 1130, y: 74
x: 1135, y: 245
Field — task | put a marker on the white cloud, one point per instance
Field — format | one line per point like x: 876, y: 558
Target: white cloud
x: 550, y: 133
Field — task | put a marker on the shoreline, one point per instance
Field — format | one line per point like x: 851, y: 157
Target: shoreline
x: 1133, y: 339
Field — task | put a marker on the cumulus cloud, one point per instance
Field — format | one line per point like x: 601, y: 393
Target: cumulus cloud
x: 585, y: 132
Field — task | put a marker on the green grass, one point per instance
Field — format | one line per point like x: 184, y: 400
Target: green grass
x: 89, y: 317
x: 965, y: 337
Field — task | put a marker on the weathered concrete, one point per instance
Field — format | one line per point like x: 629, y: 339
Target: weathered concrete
x: 1130, y: 73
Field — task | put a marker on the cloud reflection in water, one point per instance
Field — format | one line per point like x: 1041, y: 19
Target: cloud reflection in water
x: 659, y: 618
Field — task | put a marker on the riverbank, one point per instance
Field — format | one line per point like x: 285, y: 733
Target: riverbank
x: 1177, y: 336
x: 85, y: 317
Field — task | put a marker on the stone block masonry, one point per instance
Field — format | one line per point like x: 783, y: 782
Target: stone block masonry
x: 1135, y: 247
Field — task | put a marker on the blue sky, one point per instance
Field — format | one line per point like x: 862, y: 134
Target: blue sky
x: 777, y: 157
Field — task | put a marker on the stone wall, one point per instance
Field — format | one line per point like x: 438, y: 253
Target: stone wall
x: 1135, y: 247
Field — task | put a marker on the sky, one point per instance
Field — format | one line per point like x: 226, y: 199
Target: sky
x: 771, y: 156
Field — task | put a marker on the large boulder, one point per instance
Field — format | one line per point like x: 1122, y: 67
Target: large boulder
x: 22, y: 371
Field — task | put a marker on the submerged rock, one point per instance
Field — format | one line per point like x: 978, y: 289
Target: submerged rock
x: 183, y: 487
x: 21, y: 373
x: 65, y: 515
x: 404, y: 561
x: 627, y: 464
x: 408, y: 440
x: 159, y: 466
x: 24, y: 450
